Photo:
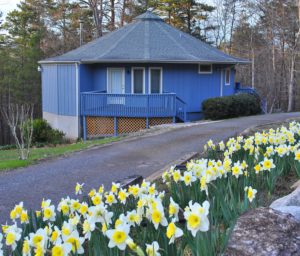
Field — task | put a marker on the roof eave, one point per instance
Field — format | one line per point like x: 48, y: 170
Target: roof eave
x: 141, y: 61
x: 59, y: 62
x: 164, y: 61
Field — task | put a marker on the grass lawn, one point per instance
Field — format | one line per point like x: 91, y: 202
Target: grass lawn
x: 9, y: 158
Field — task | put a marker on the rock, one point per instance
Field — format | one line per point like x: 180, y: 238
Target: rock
x: 265, y: 232
x: 289, y: 204
x: 293, y: 210
x: 296, y: 185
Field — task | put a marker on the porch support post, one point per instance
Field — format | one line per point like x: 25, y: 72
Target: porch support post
x: 174, y: 119
x: 147, y: 117
x: 115, y: 126
x: 84, y: 128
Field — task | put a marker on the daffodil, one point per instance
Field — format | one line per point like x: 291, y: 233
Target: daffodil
x: 250, y: 193
x: 118, y: 237
x: 88, y: 227
x: 26, y: 251
x: 49, y: 213
x: 173, y: 232
x: 173, y: 209
x: 188, y: 178
x: 158, y: 216
x: 13, y: 235
x: 152, y: 249
x: 61, y: 249
x: 75, y: 241
x: 176, y: 175
x: 196, y: 217
x: 24, y: 217
x: 297, y: 156
x: 122, y: 196
x: 1, y: 250
x: 237, y: 169
x: 78, y: 188
x: 38, y: 239
x: 267, y: 164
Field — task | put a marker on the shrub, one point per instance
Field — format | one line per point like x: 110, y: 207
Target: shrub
x: 43, y: 133
x: 231, y: 106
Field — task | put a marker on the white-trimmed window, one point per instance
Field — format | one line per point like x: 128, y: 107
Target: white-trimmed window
x: 138, y: 80
x: 227, y: 76
x: 205, y: 69
x: 155, y: 80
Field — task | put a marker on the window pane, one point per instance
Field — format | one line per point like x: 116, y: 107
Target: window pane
x: 205, y: 68
x: 155, y: 81
x: 227, y: 78
x: 138, y: 78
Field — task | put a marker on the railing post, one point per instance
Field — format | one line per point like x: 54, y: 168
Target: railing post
x: 147, y: 113
x: 115, y: 126
x: 84, y: 128
x: 175, y: 109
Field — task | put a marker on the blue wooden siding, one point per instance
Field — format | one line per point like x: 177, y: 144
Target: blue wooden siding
x: 59, y: 89
x: 182, y: 79
x: 49, y: 89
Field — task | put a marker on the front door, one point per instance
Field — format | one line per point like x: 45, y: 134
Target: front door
x: 116, y: 80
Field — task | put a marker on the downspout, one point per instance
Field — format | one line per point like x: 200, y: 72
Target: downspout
x: 221, y: 82
x: 77, y: 96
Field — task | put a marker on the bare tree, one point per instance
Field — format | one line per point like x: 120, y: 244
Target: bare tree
x: 293, y: 53
x: 20, y: 121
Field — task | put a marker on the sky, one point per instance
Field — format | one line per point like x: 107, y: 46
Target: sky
x: 8, y: 5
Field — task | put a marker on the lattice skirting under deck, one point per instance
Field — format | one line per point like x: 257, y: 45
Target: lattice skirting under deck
x: 105, y: 126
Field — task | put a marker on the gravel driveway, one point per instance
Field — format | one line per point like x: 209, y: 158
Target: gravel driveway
x: 144, y: 155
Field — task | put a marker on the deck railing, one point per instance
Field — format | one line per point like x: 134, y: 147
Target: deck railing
x: 181, y: 109
x: 128, y: 105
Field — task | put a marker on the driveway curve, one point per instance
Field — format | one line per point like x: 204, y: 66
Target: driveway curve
x: 144, y: 155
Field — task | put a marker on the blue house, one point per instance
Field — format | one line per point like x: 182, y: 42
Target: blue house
x: 143, y: 74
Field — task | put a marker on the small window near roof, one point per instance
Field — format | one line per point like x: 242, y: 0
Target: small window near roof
x: 205, y: 68
x: 227, y: 76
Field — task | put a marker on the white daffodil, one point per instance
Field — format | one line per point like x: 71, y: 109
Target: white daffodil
x: 26, y: 250
x: 188, y: 178
x: 38, y: 239
x: 13, y: 235
x: 267, y: 164
x: 78, y: 188
x: 49, y: 213
x: 115, y: 187
x: 1, y: 250
x: 118, y: 237
x: 76, y: 241
x: 100, y: 214
x: 67, y: 229
x: 237, y: 169
x: 152, y: 249
x: 110, y: 198
x: 196, y: 217
x: 45, y: 203
x: 173, y: 209
x: 122, y: 195
x: 89, y: 226
x: 157, y: 215
x: 61, y: 249
x: 250, y: 193
x: 173, y: 232
x: 55, y: 237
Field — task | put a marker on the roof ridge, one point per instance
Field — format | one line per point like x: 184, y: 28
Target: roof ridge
x: 175, y: 41
x: 118, y: 41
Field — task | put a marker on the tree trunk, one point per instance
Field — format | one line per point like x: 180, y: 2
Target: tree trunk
x: 291, y: 85
x: 113, y: 15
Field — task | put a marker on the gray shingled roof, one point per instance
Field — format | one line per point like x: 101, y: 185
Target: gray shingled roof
x: 147, y: 39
